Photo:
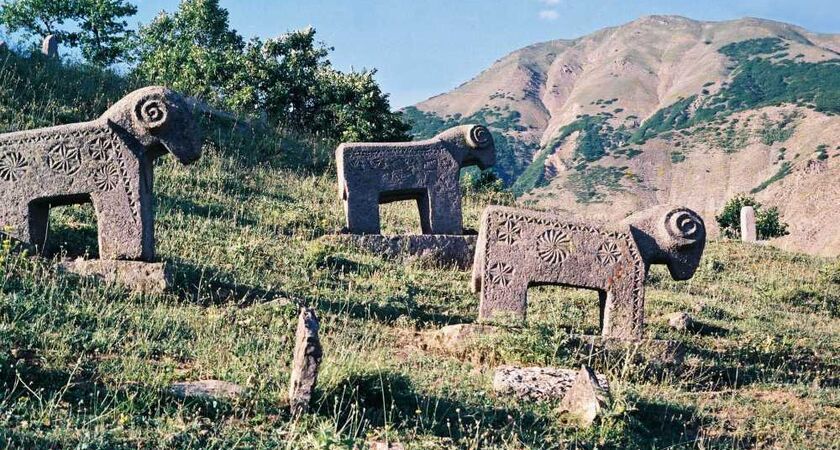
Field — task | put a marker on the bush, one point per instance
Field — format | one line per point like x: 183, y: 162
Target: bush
x: 767, y: 222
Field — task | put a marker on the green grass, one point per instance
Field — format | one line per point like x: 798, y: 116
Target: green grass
x: 784, y: 170
x: 87, y: 366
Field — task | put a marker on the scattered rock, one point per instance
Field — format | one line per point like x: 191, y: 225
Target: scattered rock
x: 207, y: 390
x: 442, y: 249
x: 586, y: 399
x: 457, y: 339
x: 307, y: 360
x: 680, y: 321
x: 138, y: 276
x: 537, y: 383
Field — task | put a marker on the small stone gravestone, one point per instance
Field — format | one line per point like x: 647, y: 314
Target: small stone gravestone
x: 49, y: 46
x: 306, y: 361
x: 748, y: 230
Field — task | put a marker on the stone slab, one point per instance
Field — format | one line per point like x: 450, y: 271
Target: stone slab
x: 306, y: 361
x: 137, y: 276
x: 537, y: 383
x: 442, y: 249
x: 207, y: 390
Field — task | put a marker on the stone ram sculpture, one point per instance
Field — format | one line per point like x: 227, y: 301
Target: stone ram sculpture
x: 370, y: 174
x: 519, y: 248
x: 107, y: 161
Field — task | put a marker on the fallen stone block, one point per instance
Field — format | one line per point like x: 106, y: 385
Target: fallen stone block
x: 537, y: 383
x: 457, y: 339
x: 137, y: 276
x: 207, y: 390
x: 307, y: 360
x: 586, y: 399
x: 441, y: 249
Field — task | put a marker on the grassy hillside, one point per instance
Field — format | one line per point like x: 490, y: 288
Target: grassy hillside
x: 86, y: 364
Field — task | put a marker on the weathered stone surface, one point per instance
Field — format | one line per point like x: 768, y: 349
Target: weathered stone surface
x: 370, y: 174
x: 385, y: 445
x: 586, y: 398
x: 307, y: 360
x: 680, y: 321
x: 207, y: 390
x: 748, y: 230
x: 107, y: 161
x: 49, y: 46
x: 537, y: 383
x: 138, y: 276
x: 456, y: 339
x: 518, y: 248
x: 455, y: 250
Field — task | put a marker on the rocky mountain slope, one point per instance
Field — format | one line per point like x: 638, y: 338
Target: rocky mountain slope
x: 666, y: 109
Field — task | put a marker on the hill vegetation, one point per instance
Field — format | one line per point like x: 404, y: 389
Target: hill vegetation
x: 88, y: 365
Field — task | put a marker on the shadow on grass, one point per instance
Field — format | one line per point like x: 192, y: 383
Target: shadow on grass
x: 390, y: 312
x: 204, y: 211
x: 387, y: 398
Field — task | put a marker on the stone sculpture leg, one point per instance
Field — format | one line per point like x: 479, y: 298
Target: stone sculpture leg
x: 504, y: 303
x: 620, y: 317
x: 362, y: 214
x: 126, y: 221
x: 444, y: 214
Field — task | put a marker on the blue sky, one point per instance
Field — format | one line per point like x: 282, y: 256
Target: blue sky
x: 424, y: 47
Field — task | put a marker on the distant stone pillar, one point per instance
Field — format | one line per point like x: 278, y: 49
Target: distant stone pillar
x: 748, y: 231
x: 50, y: 46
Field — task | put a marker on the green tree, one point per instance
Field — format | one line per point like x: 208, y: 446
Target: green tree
x: 103, y: 35
x: 767, y: 221
x: 39, y: 17
x: 193, y: 50
x: 99, y: 27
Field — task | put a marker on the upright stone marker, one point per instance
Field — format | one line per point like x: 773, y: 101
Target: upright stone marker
x: 426, y: 171
x: 748, y: 230
x: 307, y: 360
x: 107, y: 161
x: 49, y: 46
x: 519, y: 248
x: 586, y: 399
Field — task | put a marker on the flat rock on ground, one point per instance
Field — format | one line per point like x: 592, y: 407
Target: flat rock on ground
x: 138, y: 276
x: 443, y: 249
x: 537, y: 383
x: 680, y: 321
x: 207, y: 390
x: 456, y: 339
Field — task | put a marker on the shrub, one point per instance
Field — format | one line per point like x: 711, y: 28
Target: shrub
x: 767, y: 222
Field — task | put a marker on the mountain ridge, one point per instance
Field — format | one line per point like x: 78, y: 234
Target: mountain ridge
x: 582, y: 120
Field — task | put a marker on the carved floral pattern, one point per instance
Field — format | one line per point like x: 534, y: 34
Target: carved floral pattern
x: 12, y: 166
x: 106, y: 177
x: 501, y: 273
x: 509, y: 231
x: 100, y: 148
x: 554, y: 246
x: 608, y: 253
x: 64, y: 158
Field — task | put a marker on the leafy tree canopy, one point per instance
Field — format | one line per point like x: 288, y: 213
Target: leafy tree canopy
x: 767, y: 222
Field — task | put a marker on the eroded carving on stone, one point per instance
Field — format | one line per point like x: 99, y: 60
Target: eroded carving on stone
x: 370, y: 174
x: 107, y: 161
x: 614, y: 262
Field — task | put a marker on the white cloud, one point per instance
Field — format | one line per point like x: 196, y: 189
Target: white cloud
x: 549, y: 14
x: 551, y: 2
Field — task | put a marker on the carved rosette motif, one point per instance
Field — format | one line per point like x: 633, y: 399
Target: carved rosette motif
x: 106, y: 177
x: 508, y: 231
x: 12, y: 166
x: 64, y: 158
x: 608, y: 253
x: 501, y: 273
x: 100, y: 148
x: 554, y: 246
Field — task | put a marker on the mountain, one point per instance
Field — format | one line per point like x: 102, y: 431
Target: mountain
x: 666, y: 109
